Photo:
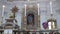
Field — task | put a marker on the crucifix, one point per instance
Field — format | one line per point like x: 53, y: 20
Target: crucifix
x: 14, y: 10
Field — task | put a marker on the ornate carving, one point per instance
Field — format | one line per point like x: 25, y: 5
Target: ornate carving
x: 10, y: 24
x: 31, y: 10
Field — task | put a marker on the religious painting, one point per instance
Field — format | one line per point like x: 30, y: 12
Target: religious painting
x: 30, y: 19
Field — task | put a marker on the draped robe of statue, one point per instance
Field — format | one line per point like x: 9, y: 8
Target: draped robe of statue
x: 30, y: 19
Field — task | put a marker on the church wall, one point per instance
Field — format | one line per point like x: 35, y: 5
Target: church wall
x: 44, y: 9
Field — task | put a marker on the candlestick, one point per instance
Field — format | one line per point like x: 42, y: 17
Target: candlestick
x: 38, y: 9
x: 25, y: 9
x: 3, y: 13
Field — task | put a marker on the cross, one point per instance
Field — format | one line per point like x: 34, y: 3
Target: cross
x: 14, y: 9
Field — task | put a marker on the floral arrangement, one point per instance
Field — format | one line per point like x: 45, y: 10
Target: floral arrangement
x: 45, y: 25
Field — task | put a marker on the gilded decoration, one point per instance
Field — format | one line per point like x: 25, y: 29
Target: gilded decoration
x: 31, y: 20
x: 53, y: 23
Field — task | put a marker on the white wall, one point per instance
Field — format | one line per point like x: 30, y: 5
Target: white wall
x: 44, y: 11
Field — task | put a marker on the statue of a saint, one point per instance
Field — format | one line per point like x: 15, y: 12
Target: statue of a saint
x: 30, y: 19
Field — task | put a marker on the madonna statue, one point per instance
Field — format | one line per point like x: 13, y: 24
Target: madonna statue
x: 30, y: 19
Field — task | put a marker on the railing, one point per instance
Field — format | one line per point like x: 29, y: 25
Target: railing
x: 16, y: 31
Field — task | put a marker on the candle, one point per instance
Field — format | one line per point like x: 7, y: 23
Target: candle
x: 3, y: 10
x: 51, y: 7
x: 38, y: 8
x: 25, y: 9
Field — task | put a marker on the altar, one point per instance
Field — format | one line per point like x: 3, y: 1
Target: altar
x: 28, y: 17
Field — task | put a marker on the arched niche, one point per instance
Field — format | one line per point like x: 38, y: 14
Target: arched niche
x: 31, y: 12
x: 30, y: 19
